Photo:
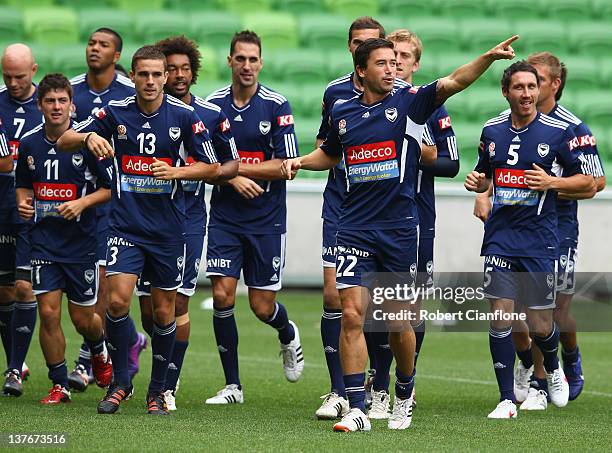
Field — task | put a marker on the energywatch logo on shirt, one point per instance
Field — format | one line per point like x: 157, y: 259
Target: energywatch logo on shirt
x: 511, y: 188
x: 372, y: 162
x: 137, y: 176
x: 50, y: 196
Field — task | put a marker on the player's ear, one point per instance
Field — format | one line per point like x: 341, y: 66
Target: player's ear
x: 34, y: 68
x: 116, y: 57
x: 416, y: 66
x: 229, y: 61
x: 132, y: 75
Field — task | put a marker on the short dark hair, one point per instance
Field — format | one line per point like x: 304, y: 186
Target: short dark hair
x: 363, y: 51
x: 183, y: 46
x: 556, y: 68
x: 366, y: 23
x: 55, y: 81
x: 247, y: 36
x: 519, y: 66
x: 148, y: 53
x: 114, y: 34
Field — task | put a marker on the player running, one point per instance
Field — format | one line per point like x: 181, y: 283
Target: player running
x: 148, y: 131
x: 19, y: 114
x: 57, y: 190
x: 532, y: 157
x: 92, y: 90
x: 183, y: 59
x: 247, y: 225
x: 378, y: 134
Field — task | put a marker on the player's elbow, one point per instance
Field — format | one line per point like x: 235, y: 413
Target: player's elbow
x: 600, y: 183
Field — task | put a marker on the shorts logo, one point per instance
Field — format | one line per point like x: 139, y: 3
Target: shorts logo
x: 429, y: 267
x: 285, y: 120
x: 543, y: 149
x: 225, y: 125
x: 563, y: 260
x: 77, y: 160
x: 444, y: 123
x: 492, y: 150
x: 264, y: 127
x: 550, y: 280
x: 31, y: 165
x: 342, y: 127
x: 198, y: 128
x: 276, y: 262
x: 180, y: 261
x: 175, y: 133
x: 391, y: 114
x: 251, y: 157
x: 89, y: 276
x: 122, y: 132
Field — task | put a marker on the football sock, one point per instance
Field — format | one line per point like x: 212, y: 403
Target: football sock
x: 226, y: 335
x: 84, y: 355
x: 419, y: 335
x: 174, y: 368
x: 525, y: 357
x: 280, y: 321
x: 95, y: 346
x: 371, y: 344
x: 404, y: 385
x: 549, y: 347
x: 6, y: 317
x: 24, y: 320
x: 58, y: 373
x: 355, y: 390
x: 502, y: 353
x: 162, y: 345
x: 384, y: 359
x: 118, y: 335
x: 330, y: 336
x: 570, y: 357
x: 133, y: 333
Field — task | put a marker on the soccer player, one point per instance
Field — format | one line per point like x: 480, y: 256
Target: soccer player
x: 379, y: 136
x: 57, y: 190
x: 531, y: 157
x: 183, y: 59
x: 92, y: 90
x: 246, y: 229
x: 439, y: 142
x: 19, y: 114
x: 150, y: 133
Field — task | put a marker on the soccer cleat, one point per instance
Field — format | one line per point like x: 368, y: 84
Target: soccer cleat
x: 134, y: 354
x: 57, y: 395
x: 522, y: 377
x: 230, y: 394
x: 505, y: 409
x: 114, y: 395
x: 368, y: 387
x: 293, y: 358
x: 536, y: 400
x: 78, y: 379
x: 575, y: 379
x: 379, y: 410
x: 354, y: 420
x: 102, y: 369
x: 25, y: 372
x: 170, y: 399
x: 558, y: 388
x: 401, y: 417
x: 156, y: 405
x: 13, y: 383
x: 333, y: 406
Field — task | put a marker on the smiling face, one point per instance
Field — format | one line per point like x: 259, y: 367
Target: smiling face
x: 246, y: 64
x: 380, y: 72
x: 180, y: 75
x: 522, y: 94
x: 149, y: 77
x: 55, y: 107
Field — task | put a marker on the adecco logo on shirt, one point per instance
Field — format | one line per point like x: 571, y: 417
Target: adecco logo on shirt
x: 137, y: 165
x: 55, y: 192
x: 371, y: 152
x: 508, y: 177
x: 251, y: 157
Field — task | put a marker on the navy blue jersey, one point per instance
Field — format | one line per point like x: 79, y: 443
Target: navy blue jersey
x: 18, y: 117
x: 567, y: 210
x: 342, y: 88
x: 438, y: 132
x: 56, y: 177
x: 263, y: 130
x: 523, y: 221
x: 225, y: 147
x: 4, y: 146
x: 143, y: 208
x: 381, y: 147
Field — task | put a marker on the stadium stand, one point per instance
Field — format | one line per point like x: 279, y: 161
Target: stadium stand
x: 52, y: 25
x: 91, y: 19
x: 323, y: 31
x: 11, y: 24
x: 214, y: 28
x: 277, y: 30
x: 152, y: 26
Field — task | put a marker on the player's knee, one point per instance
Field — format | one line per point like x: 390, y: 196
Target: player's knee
x: 351, y: 319
x: 23, y: 291
x: 117, y: 306
x: 262, y: 309
x: 49, y: 315
x: 222, y: 298
x: 182, y: 305
x: 162, y: 314
x: 331, y: 299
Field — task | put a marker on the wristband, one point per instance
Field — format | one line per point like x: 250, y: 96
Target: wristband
x: 86, y: 138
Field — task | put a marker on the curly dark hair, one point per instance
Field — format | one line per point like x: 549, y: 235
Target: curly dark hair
x: 183, y: 46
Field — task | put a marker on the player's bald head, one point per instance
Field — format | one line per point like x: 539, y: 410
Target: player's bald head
x: 18, y: 54
x: 18, y: 69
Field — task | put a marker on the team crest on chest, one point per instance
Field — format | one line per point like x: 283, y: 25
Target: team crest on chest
x: 391, y: 114
x: 543, y: 149
x: 174, y: 132
x: 77, y: 160
x: 264, y: 127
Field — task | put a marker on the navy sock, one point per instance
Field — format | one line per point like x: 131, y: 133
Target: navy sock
x: 404, y: 385
x: 24, y: 320
x: 549, y: 347
x: 525, y: 357
x: 371, y: 344
x: 162, y: 345
x: 570, y: 357
x: 384, y: 359
x: 355, y: 390
x: 540, y: 384
x: 280, y: 321
x: 58, y: 373
x: 176, y: 363
x: 330, y: 336
x: 502, y: 353
x: 84, y: 355
x: 118, y: 335
x: 133, y: 333
x: 6, y: 317
x: 419, y: 335
x: 95, y: 346
x: 226, y: 336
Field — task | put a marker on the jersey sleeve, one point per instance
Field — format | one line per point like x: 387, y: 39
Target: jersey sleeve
x: 570, y: 156
x: 101, y: 169
x: 197, y: 141
x: 484, y: 163
x: 442, y: 134
x: 588, y: 146
x: 102, y: 123
x: 23, y: 175
x: 4, y: 148
x: 223, y: 139
x: 332, y: 146
x: 326, y: 107
x: 423, y: 101
x: 283, y: 133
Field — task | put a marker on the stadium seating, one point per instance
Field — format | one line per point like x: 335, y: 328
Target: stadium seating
x: 70, y: 60
x: 29, y: 3
x: 44, y: 58
x: 121, y: 22
x: 323, y: 31
x: 300, y: 6
x: 84, y: 4
x: 407, y: 8
x: 429, y: 69
x: 479, y: 34
x: 51, y: 25
x: 126, y: 55
x: 602, y: 10
x: 591, y: 38
x: 468, y: 139
x: 564, y: 10
x: 137, y: 6
x: 583, y: 73
x: 11, y: 24
x: 605, y: 73
x: 312, y: 97
x: 214, y: 28
x: 192, y: 6
x: 339, y: 63
x: 538, y: 36
x: 277, y: 30
x: 484, y: 103
x: 204, y: 87
x: 210, y: 64
x: 438, y: 34
x: 306, y: 133
x: 514, y: 9
x: 245, y: 6
x: 353, y: 8
x: 461, y: 8
x: 152, y: 26
x: 595, y: 108
x: 298, y: 66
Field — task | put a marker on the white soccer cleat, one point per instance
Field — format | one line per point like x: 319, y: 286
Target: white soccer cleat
x: 535, y: 401
x: 379, y: 410
x: 293, y: 358
x: 333, y: 406
x: 558, y: 388
x: 354, y: 420
x: 505, y: 409
x: 522, y: 376
x: 230, y: 394
x: 170, y: 400
x: 401, y: 417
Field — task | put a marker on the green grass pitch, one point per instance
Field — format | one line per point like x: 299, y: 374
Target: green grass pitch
x: 455, y: 391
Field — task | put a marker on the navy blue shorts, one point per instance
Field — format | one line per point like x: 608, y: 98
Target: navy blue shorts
x: 566, y: 265
x: 78, y: 281
x: 261, y: 257
x: 527, y: 281
x: 102, y: 229
x: 328, y: 254
x: 194, y: 243
x: 393, y: 252
x: 425, y: 267
x: 163, y: 263
x: 8, y: 241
